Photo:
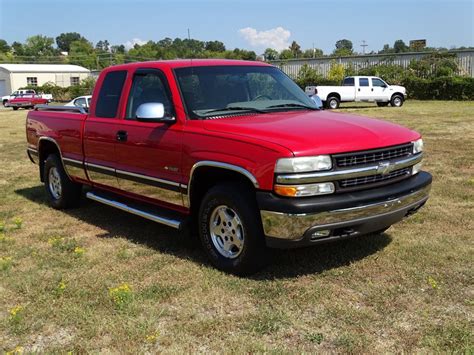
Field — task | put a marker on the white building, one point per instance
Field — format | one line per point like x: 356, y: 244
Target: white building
x: 16, y: 76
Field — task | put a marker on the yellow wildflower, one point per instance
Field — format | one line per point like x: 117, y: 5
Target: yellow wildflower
x: 79, y: 251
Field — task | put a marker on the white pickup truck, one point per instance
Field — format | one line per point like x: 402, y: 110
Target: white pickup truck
x: 17, y: 93
x: 361, y: 88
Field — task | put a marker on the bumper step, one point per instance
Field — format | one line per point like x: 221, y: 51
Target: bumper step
x: 166, y: 217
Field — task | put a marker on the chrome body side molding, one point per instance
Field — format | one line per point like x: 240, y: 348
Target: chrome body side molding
x: 60, y: 108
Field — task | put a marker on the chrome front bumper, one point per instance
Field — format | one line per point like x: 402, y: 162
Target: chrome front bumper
x: 351, y: 221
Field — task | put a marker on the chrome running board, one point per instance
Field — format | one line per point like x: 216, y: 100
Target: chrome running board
x: 167, y: 221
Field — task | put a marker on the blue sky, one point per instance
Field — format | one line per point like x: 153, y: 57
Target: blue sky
x: 246, y: 24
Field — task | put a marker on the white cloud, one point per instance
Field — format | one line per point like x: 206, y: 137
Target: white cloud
x: 130, y: 44
x: 276, y: 38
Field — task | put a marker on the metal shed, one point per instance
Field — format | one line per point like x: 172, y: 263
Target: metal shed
x: 16, y: 76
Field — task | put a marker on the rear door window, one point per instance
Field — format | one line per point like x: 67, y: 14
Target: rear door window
x: 363, y: 81
x: 109, y: 95
x: 348, y: 82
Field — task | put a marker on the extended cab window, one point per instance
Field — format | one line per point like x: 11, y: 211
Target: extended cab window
x: 348, y: 82
x: 378, y: 82
x: 148, y: 86
x: 109, y: 95
x: 363, y: 81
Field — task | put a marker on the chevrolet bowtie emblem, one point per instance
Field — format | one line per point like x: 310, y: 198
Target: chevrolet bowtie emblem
x: 384, y: 168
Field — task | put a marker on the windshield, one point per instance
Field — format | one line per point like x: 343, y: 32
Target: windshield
x: 220, y: 90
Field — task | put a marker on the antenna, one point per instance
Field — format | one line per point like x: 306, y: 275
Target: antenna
x: 363, y: 45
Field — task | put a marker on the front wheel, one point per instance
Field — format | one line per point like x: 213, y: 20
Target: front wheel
x: 332, y: 103
x: 231, y: 231
x: 396, y: 101
x: 15, y: 108
x: 61, y: 191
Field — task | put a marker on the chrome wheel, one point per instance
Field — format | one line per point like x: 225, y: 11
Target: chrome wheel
x: 54, y: 183
x: 227, y: 232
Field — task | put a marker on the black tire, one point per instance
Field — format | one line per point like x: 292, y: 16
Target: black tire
x: 4, y: 102
x: 382, y: 104
x: 69, y: 191
x: 396, y: 101
x: 15, y: 108
x: 333, y: 103
x: 233, y: 198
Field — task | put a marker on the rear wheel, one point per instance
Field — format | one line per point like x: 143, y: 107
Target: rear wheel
x: 332, y: 102
x: 15, y: 108
x: 396, y: 101
x: 230, y: 229
x: 61, y: 191
x: 382, y: 104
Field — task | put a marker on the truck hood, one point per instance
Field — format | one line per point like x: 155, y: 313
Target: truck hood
x: 315, y: 132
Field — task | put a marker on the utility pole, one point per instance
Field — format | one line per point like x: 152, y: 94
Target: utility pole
x: 314, y: 52
x: 189, y: 34
x: 363, y: 45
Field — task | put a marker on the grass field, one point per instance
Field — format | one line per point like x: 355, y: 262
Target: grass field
x: 97, y: 279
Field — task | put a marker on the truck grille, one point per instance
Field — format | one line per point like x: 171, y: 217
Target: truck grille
x: 373, y: 156
x: 359, y: 182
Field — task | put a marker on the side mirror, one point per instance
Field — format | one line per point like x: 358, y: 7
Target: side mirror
x: 152, y: 112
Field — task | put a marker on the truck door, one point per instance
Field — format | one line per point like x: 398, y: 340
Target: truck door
x: 149, y: 156
x: 363, y: 92
x: 380, y: 90
x: 100, y: 131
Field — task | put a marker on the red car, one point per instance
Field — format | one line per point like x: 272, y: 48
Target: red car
x: 26, y: 101
x: 233, y: 150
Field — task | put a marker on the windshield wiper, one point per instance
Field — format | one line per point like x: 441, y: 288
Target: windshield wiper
x: 229, y: 108
x: 293, y: 105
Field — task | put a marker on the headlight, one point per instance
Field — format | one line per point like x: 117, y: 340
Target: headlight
x: 303, y: 164
x: 418, y: 146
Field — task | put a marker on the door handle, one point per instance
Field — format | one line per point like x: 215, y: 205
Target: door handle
x: 122, y: 136
x: 358, y: 89
x: 372, y: 89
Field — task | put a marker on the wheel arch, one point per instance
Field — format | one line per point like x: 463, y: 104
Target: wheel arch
x: 205, y: 174
x: 47, y: 146
x: 333, y: 94
x: 397, y: 94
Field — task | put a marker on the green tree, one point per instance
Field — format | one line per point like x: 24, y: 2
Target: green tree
x: 270, y: 54
x: 4, y: 47
x: 343, y: 48
x: 286, y: 54
x: 336, y: 72
x: 313, y: 53
x: 39, y: 46
x: 295, y: 49
x: 64, y: 40
x: 307, y: 76
x: 82, y: 53
x: 215, y: 46
x: 399, y: 46
x: 18, y: 48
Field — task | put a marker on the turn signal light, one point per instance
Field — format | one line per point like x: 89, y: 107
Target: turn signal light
x: 305, y: 190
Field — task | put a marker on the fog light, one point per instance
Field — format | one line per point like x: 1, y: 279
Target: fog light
x: 320, y: 234
x: 416, y: 168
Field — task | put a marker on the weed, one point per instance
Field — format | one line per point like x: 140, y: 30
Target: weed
x: 5, y: 263
x: 18, y: 222
x: 121, y: 295
x: 15, y: 314
x: 315, y: 337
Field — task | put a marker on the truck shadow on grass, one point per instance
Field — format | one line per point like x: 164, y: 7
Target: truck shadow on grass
x: 283, y: 264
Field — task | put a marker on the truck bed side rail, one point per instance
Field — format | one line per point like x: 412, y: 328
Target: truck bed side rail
x: 60, y: 108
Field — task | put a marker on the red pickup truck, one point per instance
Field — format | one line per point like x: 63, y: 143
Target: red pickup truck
x: 234, y: 149
x: 26, y: 101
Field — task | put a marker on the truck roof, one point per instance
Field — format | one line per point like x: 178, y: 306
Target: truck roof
x: 181, y: 63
